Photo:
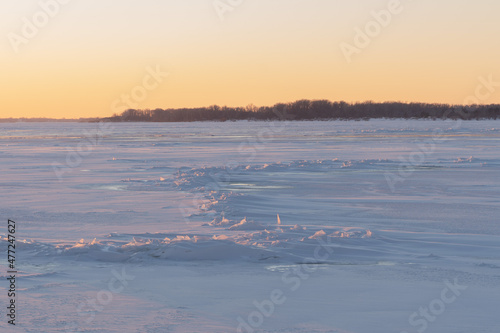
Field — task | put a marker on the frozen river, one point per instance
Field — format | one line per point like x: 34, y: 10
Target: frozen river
x: 345, y: 226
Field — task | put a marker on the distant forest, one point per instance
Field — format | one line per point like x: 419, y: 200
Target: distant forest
x: 299, y: 110
x: 313, y: 110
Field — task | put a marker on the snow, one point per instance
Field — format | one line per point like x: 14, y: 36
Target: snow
x: 257, y: 226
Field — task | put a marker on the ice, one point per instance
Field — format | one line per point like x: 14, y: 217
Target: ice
x: 357, y: 224
x: 247, y: 225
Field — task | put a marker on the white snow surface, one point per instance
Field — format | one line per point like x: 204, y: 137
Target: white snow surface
x: 385, y: 226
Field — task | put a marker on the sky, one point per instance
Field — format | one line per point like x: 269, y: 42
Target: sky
x: 94, y: 58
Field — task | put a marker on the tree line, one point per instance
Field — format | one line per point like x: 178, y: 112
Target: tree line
x: 313, y: 110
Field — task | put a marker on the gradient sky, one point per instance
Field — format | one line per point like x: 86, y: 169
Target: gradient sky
x: 91, y: 52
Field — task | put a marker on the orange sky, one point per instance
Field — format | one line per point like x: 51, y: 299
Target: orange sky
x: 93, y: 58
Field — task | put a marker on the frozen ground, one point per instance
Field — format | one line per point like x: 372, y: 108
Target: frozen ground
x: 384, y: 226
